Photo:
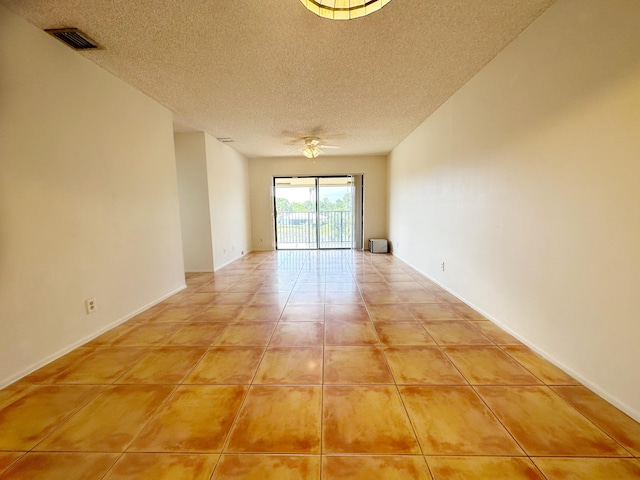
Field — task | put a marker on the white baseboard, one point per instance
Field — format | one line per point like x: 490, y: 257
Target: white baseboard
x: 218, y: 267
x: 543, y: 353
x: 63, y: 351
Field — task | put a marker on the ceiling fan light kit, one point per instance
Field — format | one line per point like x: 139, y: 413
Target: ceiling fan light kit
x: 343, y: 9
x: 310, y: 152
x: 311, y: 147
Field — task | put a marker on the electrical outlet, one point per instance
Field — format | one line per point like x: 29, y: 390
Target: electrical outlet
x: 442, y: 266
x: 91, y: 305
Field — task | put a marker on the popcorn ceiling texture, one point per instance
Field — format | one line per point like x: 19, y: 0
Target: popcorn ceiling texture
x: 268, y: 72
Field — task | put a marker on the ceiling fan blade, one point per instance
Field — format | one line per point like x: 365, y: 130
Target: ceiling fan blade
x: 330, y: 146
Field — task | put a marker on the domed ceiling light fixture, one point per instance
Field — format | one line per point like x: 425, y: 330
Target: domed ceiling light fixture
x: 344, y: 9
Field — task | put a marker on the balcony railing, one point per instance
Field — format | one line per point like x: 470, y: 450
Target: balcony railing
x: 333, y: 229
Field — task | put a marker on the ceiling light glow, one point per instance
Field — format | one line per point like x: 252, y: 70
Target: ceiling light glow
x: 343, y: 9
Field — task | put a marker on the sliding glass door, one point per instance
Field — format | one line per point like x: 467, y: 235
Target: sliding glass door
x: 315, y: 212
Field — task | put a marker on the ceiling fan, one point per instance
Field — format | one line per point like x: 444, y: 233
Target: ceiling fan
x: 312, y: 147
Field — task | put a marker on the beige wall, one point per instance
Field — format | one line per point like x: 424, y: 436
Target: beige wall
x: 88, y: 199
x: 229, y: 204
x: 262, y: 171
x: 526, y: 183
x: 193, y: 190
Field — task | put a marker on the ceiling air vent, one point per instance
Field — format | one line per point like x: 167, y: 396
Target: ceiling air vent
x: 225, y: 139
x: 73, y: 37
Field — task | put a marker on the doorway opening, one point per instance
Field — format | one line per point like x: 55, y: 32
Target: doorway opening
x: 318, y: 212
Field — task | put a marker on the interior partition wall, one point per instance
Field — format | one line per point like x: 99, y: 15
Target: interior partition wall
x: 318, y: 212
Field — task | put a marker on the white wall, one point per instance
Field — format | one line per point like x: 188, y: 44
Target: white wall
x: 193, y: 190
x: 88, y: 199
x: 262, y: 171
x: 229, y: 203
x: 526, y: 183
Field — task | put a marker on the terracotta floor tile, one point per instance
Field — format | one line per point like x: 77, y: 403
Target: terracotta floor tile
x: 621, y: 427
x: 150, y: 334
x: 194, y: 419
x: 110, y: 421
x: 234, y: 298
x: 467, y: 312
x: 275, y: 287
x: 265, y: 467
x: 219, y: 313
x: 433, y: 311
x: 346, y: 313
x: 342, y: 287
x: 374, y: 467
x: 495, y: 333
x: 298, y: 334
x: 303, y: 313
x: 260, y: 313
x: 489, y: 366
x: 390, y: 312
x: 417, y: 296
x: 55, y: 368
x: 227, y: 366
x: 355, y: 365
x: 247, y: 334
x: 382, y: 287
x: 212, y: 287
x: 306, y: 298
x: 589, y: 468
x: 165, y: 365
x: 544, y: 424
x: 7, y: 458
x: 408, y: 286
x: 416, y: 365
x: 245, y: 286
x: 104, y: 366
x: 350, y: 333
x: 110, y: 336
x: 196, y: 334
x: 456, y: 333
x: 162, y: 466
x: 176, y: 314
x: 446, y: 297
x: 61, y: 466
x: 203, y: 298
x: 277, y: 299
x: 541, y: 368
x: 344, y: 277
x: 483, y: 468
x: 455, y: 421
x: 369, y: 278
x: 403, y: 333
x: 377, y: 298
x: 13, y: 392
x: 346, y: 298
x: 278, y: 420
x: 366, y: 419
x: 291, y: 366
x: 34, y: 416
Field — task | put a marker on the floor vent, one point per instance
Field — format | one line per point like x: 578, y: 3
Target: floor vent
x: 73, y: 37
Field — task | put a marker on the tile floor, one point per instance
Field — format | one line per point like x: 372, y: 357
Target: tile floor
x: 309, y: 365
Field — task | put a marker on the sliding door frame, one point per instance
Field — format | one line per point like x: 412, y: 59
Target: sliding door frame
x: 357, y: 208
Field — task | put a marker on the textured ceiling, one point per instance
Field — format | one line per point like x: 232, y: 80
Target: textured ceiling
x: 267, y: 72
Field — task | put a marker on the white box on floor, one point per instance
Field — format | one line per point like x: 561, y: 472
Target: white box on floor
x: 378, y: 245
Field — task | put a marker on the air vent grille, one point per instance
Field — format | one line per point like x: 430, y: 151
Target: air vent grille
x: 225, y: 139
x: 73, y: 37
